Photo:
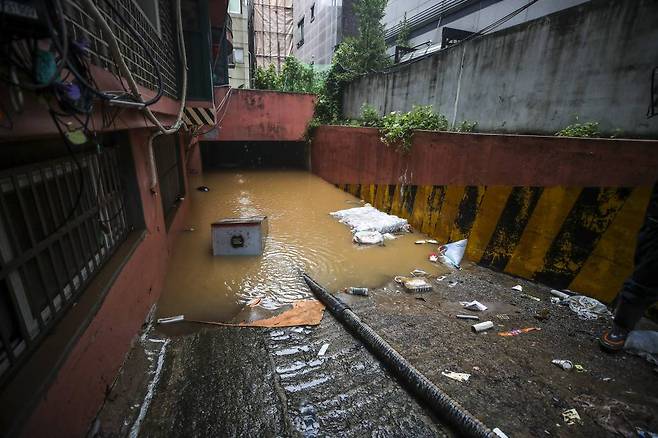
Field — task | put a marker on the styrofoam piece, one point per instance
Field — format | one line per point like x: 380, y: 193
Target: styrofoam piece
x: 368, y: 238
x: 368, y: 218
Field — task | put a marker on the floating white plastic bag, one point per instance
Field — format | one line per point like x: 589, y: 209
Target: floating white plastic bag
x: 368, y: 238
x: 453, y: 253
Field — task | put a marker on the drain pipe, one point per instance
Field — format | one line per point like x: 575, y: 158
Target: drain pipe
x: 439, y: 402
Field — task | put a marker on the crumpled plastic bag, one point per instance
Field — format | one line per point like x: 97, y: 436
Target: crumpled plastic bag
x: 451, y: 254
x: 587, y: 308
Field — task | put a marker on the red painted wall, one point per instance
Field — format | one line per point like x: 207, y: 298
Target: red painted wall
x: 348, y: 155
x: 73, y: 399
x: 255, y: 115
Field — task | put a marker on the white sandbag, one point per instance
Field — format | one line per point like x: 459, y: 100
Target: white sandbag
x: 368, y: 238
x: 368, y: 218
x: 453, y: 253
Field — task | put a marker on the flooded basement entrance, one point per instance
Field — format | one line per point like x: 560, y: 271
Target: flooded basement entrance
x: 302, y: 237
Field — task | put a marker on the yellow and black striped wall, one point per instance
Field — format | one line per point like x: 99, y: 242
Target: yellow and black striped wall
x: 563, y: 212
x: 579, y: 238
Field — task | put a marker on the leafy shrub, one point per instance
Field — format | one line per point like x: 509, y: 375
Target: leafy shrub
x: 369, y: 116
x: 267, y: 78
x: 589, y: 129
x: 397, y: 128
x: 466, y: 126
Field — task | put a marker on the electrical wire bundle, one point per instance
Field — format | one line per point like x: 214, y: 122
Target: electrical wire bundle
x: 45, y: 61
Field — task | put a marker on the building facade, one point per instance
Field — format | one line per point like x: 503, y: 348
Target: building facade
x: 271, y: 24
x: 93, y: 184
x: 239, y: 62
x: 319, y: 26
x: 437, y: 23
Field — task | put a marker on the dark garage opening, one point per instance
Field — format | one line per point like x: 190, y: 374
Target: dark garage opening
x: 254, y: 154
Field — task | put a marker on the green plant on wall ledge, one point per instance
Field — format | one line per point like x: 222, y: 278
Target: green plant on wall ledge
x: 589, y: 129
x: 466, y: 126
x: 397, y: 128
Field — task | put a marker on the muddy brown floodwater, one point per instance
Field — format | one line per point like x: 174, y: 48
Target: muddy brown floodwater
x: 302, y: 236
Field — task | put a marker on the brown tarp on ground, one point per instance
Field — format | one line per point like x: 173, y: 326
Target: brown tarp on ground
x: 303, y: 312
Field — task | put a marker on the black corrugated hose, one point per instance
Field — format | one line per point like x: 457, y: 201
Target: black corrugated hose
x: 439, y: 402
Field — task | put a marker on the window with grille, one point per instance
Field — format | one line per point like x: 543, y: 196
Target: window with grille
x: 170, y: 173
x: 60, y: 221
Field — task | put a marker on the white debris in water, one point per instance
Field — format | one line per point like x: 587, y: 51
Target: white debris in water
x: 368, y: 238
x: 368, y: 218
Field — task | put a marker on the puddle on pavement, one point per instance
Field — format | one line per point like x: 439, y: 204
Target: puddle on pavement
x: 302, y: 237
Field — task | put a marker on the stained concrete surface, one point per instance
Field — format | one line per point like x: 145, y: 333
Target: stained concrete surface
x: 271, y: 382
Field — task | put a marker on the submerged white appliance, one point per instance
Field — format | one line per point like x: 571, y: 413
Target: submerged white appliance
x: 239, y: 236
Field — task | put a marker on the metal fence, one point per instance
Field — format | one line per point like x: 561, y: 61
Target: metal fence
x: 59, y: 222
x: 157, y: 28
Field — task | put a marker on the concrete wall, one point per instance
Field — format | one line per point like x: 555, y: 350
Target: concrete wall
x: 72, y: 400
x: 562, y: 211
x: 593, y: 61
x: 261, y: 115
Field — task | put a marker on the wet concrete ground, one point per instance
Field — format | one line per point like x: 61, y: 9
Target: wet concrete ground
x: 271, y: 382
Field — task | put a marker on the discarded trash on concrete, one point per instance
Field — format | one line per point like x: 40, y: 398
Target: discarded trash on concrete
x: 441, y: 278
x: 452, y: 283
x: 433, y: 258
x: 587, y: 308
x: 482, y: 326
x: 558, y: 293
x: 503, y: 316
x: 460, y: 377
x: 643, y: 343
x: 171, y: 319
x: 564, y: 364
x: 579, y: 368
x: 418, y: 273
x: 499, y: 433
x: 543, y: 314
x: 451, y: 254
x: 518, y: 287
x: 368, y: 238
x: 474, y: 305
x: 570, y: 416
x: 555, y: 300
x: 474, y: 317
x: 323, y: 349
x: 239, y: 236
x: 414, y: 284
x: 530, y: 297
x: 516, y: 332
x: 368, y: 218
x: 361, y: 291
x: 203, y: 189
